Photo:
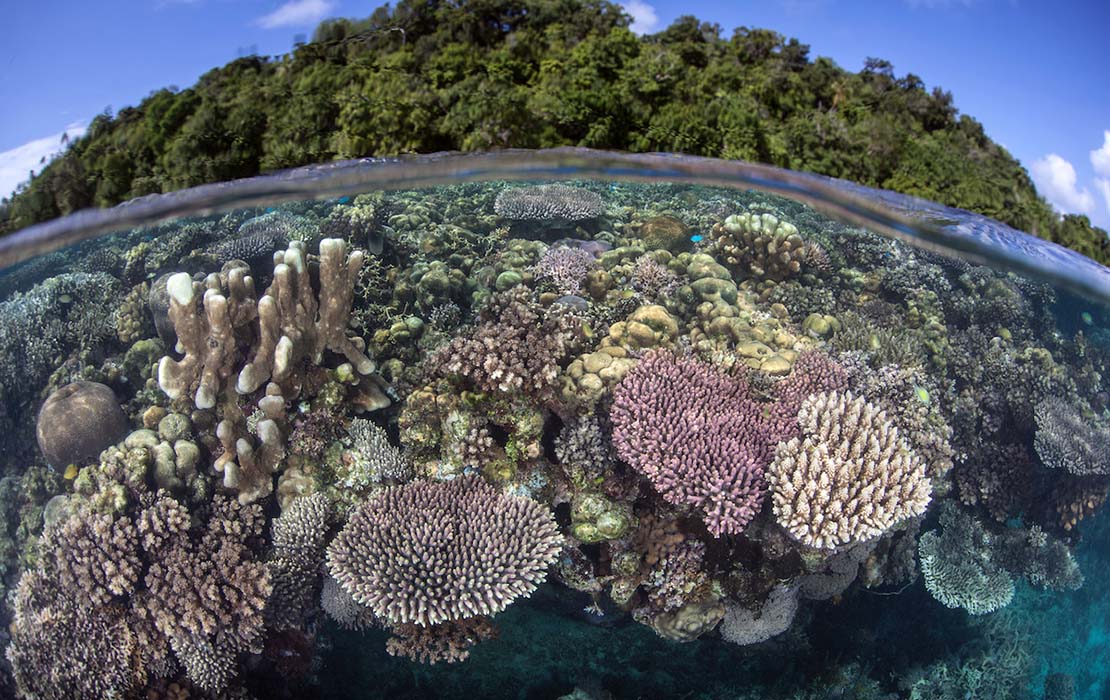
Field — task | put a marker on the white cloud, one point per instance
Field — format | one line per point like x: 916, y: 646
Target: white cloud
x: 1100, y: 158
x: 16, y: 164
x: 1056, y: 179
x: 1103, y: 186
x: 644, y: 19
x: 296, y: 13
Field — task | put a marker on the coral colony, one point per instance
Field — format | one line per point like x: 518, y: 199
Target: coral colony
x: 709, y: 413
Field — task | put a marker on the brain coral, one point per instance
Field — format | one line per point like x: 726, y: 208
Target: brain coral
x: 432, y: 552
x: 851, y: 476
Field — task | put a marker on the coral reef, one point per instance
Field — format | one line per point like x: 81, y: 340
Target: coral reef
x: 709, y: 415
x: 467, y: 550
x: 696, y: 434
x: 548, y: 203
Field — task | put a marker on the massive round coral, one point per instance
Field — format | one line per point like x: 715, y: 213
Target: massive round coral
x: 697, y: 435
x: 430, y: 552
x: 78, y: 421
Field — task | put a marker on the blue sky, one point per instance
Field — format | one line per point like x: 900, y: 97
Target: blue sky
x: 1034, y: 73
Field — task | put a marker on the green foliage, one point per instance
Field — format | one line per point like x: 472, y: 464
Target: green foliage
x: 425, y: 76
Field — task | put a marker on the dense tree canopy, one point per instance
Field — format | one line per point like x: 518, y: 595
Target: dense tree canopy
x: 432, y: 75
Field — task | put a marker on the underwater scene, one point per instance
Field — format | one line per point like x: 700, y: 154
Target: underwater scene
x: 587, y: 440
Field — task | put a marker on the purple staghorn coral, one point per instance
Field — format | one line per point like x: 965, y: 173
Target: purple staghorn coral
x: 697, y: 435
x: 432, y: 552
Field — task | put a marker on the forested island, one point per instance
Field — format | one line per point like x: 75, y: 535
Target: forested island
x: 429, y: 75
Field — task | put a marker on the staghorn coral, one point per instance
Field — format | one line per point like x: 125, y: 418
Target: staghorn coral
x: 850, y: 478
x: 548, y: 203
x: 431, y: 552
x: 696, y: 434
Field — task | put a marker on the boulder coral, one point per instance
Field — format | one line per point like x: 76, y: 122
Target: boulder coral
x: 77, y: 421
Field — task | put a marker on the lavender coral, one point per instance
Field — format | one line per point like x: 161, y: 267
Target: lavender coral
x: 564, y: 268
x: 850, y: 478
x: 696, y: 434
x: 432, y: 552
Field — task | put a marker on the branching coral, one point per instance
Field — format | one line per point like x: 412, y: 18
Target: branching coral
x: 548, y: 203
x: 760, y: 245
x: 1067, y: 440
x: 851, y: 477
x: 290, y: 323
x: 516, y: 346
x: 564, y: 268
x: 128, y: 589
x: 696, y: 434
x: 431, y: 552
x: 957, y: 566
x: 299, y: 538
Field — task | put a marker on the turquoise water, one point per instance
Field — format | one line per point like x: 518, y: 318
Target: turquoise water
x: 445, y: 429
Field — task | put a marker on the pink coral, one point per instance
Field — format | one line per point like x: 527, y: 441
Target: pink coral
x: 697, y: 434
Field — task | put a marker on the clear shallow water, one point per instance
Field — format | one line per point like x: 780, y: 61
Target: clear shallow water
x: 744, y: 449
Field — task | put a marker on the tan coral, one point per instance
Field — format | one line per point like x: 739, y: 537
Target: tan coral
x: 293, y: 324
x: 247, y: 467
x: 207, y: 339
x: 850, y: 478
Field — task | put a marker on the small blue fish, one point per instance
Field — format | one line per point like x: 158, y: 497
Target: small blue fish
x: 696, y: 238
x: 344, y: 199
x: 270, y: 210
